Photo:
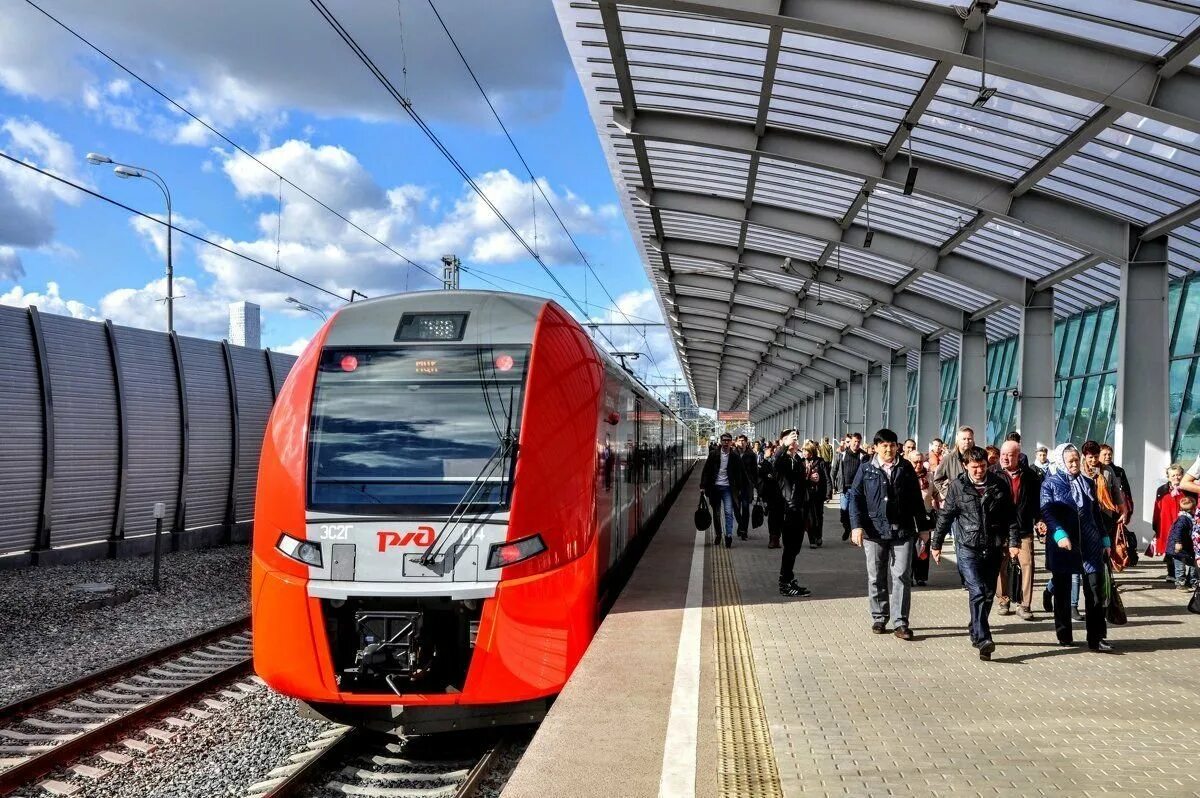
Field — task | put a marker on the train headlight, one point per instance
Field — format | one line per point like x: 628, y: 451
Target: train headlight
x: 304, y: 551
x: 515, y: 551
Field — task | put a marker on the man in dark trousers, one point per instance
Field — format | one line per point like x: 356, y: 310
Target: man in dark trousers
x: 793, y: 478
x: 768, y: 491
x: 1025, y: 487
x: 721, y: 479
x: 887, y: 514
x: 745, y: 499
x: 845, y: 468
x: 979, y: 504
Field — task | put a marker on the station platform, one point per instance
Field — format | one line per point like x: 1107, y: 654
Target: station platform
x: 742, y: 692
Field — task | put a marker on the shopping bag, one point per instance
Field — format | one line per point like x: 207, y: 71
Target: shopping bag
x: 1194, y: 604
x: 703, y: 515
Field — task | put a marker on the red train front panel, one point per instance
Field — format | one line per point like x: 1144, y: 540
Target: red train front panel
x: 445, y: 480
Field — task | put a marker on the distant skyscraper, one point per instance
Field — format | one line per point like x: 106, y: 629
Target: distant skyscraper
x: 245, y: 324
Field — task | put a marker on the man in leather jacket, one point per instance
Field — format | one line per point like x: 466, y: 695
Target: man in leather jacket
x: 981, y: 503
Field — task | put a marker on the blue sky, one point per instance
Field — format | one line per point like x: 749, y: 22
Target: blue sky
x: 276, y: 80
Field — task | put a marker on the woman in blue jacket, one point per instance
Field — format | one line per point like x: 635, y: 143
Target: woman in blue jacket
x: 1076, y: 544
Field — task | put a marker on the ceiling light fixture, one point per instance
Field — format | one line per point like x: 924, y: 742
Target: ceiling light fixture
x: 911, y: 179
x: 838, y: 256
x: 870, y: 236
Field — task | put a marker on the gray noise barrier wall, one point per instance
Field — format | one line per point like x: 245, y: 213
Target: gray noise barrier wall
x: 99, y: 422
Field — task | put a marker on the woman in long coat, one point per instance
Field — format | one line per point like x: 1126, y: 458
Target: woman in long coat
x: 1076, y: 544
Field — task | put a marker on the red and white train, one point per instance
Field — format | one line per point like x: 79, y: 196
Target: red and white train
x: 448, y: 486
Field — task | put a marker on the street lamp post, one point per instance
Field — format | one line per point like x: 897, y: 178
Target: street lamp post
x: 305, y: 306
x: 126, y: 171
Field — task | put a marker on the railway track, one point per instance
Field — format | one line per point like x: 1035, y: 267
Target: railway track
x: 349, y: 762
x: 57, y: 729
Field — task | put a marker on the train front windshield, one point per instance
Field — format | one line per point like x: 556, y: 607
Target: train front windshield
x: 414, y: 430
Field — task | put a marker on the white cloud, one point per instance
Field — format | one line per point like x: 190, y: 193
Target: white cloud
x: 11, y: 267
x: 155, y: 233
x: 472, y: 227
x: 274, y: 58
x: 314, y: 243
x: 198, y: 312
x: 27, y: 199
x: 294, y: 348
x: 50, y: 301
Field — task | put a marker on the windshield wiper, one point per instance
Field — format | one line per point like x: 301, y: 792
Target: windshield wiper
x: 470, y: 495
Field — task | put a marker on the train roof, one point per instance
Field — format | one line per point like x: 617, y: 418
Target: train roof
x: 495, y: 318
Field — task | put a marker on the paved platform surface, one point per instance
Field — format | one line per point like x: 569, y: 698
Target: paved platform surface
x: 852, y: 713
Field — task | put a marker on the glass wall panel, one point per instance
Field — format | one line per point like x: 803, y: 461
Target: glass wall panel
x: 949, y: 398
x: 911, y: 390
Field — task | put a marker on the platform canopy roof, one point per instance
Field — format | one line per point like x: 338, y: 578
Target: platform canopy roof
x: 761, y: 150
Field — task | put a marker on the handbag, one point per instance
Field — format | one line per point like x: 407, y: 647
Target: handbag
x: 1119, y: 554
x: 756, y: 515
x: 1115, y: 611
x: 1194, y: 604
x: 703, y: 515
x: 1131, y: 543
x: 1015, y: 595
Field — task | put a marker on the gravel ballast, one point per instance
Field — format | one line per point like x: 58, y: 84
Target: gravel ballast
x: 219, y: 756
x: 51, y: 632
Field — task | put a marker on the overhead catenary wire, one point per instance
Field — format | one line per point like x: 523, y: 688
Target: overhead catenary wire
x: 349, y: 40
x: 80, y: 187
x: 533, y: 179
x: 283, y: 179
x: 187, y: 112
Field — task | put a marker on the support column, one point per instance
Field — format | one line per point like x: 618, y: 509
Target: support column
x: 810, y: 413
x: 929, y: 393
x: 829, y: 413
x: 875, y: 401
x: 897, y: 399
x: 856, y: 414
x: 972, y: 379
x: 1143, y: 429
x: 1035, y: 408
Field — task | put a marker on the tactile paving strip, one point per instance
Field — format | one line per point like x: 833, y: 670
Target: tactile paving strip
x: 747, y: 759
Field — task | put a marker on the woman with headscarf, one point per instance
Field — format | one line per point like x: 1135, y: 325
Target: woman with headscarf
x: 1076, y: 544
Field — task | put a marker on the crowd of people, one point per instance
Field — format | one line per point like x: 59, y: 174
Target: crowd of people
x: 901, y: 505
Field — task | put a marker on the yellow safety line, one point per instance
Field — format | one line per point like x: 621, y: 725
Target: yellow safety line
x: 747, y: 758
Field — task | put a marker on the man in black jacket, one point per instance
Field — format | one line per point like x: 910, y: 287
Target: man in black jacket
x: 1025, y: 487
x: 795, y: 487
x: 981, y: 503
x: 768, y: 491
x: 744, y: 500
x: 886, y: 514
x: 845, y: 467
